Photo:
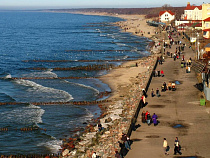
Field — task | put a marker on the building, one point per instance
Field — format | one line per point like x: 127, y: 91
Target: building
x: 166, y: 16
x: 192, y: 12
x: 205, y: 14
x: 206, y: 20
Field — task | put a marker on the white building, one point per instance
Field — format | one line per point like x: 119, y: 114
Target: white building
x: 192, y: 12
x: 166, y: 16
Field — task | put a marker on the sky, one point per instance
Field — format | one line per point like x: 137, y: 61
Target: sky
x: 67, y: 4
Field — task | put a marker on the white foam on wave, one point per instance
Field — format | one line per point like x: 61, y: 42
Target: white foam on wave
x: 47, y: 73
x: 102, y: 35
x: 40, y: 92
x: 9, y: 76
x: 121, y: 44
x: 30, y: 114
x: 54, y: 145
x: 125, y: 57
x: 82, y: 85
x: 98, y: 30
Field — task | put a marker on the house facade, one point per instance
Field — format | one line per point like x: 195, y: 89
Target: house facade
x: 206, y: 20
x: 192, y: 12
x: 205, y: 16
x: 166, y: 16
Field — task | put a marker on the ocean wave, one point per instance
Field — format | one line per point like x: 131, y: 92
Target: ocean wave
x: 54, y: 145
x: 47, y: 73
x: 42, y: 93
x: 103, y: 35
x: 82, y: 85
x: 25, y: 115
x: 98, y: 30
x: 121, y: 44
x: 8, y: 76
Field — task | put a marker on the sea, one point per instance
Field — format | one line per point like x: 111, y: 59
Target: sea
x: 32, y: 45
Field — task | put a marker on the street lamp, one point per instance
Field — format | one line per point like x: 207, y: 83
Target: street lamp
x: 198, y: 50
x: 198, y: 43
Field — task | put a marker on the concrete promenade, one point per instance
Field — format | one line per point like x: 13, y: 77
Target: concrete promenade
x: 180, y: 107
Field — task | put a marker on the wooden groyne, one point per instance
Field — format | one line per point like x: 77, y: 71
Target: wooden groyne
x: 58, y: 103
x: 52, y: 61
x: 88, y: 68
x: 109, y: 50
x: 49, y: 78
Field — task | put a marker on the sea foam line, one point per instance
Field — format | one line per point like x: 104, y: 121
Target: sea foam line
x: 36, y: 88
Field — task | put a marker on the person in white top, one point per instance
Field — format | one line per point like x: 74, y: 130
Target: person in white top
x: 94, y: 155
x: 165, y: 146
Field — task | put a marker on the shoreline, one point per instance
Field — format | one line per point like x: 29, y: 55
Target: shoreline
x: 126, y: 85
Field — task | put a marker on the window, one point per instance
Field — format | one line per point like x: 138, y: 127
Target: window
x: 204, y: 33
x: 207, y: 25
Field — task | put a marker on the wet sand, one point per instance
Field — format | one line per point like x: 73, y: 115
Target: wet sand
x: 126, y: 84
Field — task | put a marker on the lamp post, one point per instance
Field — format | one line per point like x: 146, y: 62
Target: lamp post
x: 198, y: 50
x: 198, y: 43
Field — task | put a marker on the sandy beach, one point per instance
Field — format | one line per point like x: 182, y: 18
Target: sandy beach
x: 126, y: 84
x: 135, y: 24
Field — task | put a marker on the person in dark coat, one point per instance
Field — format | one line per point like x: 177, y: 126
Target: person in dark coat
x: 143, y: 119
x: 177, y: 147
x: 144, y: 93
x: 152, y: 93
x: 157, y: 92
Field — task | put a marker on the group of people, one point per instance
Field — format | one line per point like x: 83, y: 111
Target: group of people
x: 158, y: 73
x: 186, y: 64
x: 153, y: 92
x: 177, y: 146
x: 147, y: 118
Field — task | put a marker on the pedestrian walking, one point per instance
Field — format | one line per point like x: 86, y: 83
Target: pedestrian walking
x: 177, y: 147
x: 154, y: 119
x: 148, y: 117
x: 143, y: 100
x: 157, y: 92
x: 188, y: 69
x: 164, y: 86
x: 162, y: 73
x: 165, y: 146
x: 127, y: 145
x: 143, y: 115
x: 152, y: 93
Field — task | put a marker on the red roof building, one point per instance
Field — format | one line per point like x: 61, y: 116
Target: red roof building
x: 207, y: 19
x: 162, y: 12
x: 166, y: 16
x: 192, y: 7
x: 192, y: 12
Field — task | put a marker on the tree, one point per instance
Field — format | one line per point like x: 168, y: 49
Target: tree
x: 165, y: 6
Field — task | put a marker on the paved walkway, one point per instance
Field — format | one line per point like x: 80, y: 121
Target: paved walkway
x: 174, y: 107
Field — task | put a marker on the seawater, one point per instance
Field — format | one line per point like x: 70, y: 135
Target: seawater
x: 29, y: 36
